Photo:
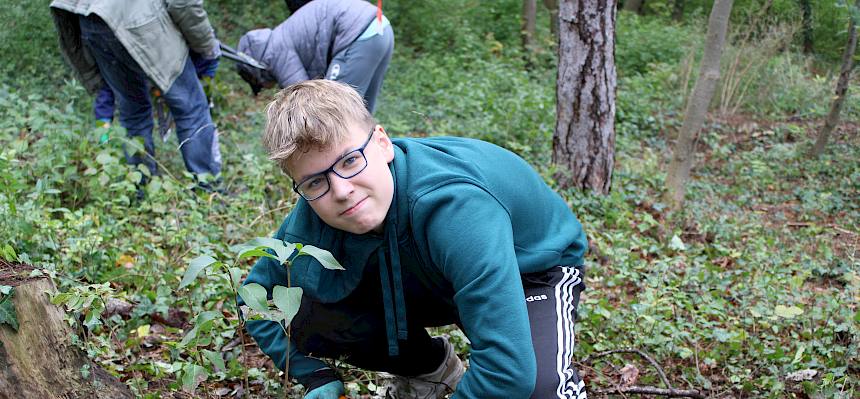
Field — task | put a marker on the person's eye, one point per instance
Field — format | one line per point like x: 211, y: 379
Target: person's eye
x: 349, y: 160
x: 314, y: 182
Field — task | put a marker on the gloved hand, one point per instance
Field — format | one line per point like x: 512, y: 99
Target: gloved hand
x: 215, y: 53
x: 204, y: 67
x: 104, y: 125
x: 332, y: 390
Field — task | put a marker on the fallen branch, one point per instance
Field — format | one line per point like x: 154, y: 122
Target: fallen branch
x: 646, y: 390
x: 640, y: 353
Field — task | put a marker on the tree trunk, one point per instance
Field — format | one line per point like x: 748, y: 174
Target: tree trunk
x: 583, y: 145
x: 678, y: 10
x: 39, y: 361
x: 806, y: 25
x: 633, y: 5
x: 841, y: 86
x: 709, y: 73
x: 528, y: 27
x: 552, y: 7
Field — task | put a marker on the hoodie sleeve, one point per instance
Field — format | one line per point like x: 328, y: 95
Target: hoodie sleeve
x: 270, y: 337
x: 470, y: 239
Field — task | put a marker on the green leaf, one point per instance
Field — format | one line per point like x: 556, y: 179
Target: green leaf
x: 677, y: 244
x: 798, y: 356
x: 192, y: 376
x: 254, y: 296
x: 8, y: 253
x: 7, y: 313
x: 205, y: 317
x: 324, y: 257
x: 190, y: 336
x: 788, y: 312
x: 105, y: 158
x: 287, y: 300
x: 6, y: 289
x: 215, y: 358
x: 199, y: 324
x: 194, y: 267
x: 60, y: 298
x: 254, y: 252
x: 94, y: 314
x: 282, y: 249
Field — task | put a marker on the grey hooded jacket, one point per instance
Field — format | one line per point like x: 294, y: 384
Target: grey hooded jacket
x: 301, y: 47
x: 156, y: 33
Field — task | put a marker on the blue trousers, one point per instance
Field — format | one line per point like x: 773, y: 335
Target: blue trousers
x: 198, y: 140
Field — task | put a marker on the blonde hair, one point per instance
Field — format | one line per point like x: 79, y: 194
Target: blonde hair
x: 312, y: 114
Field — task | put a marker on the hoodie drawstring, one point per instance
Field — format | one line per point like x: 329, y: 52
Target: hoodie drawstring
x: 395, y: 305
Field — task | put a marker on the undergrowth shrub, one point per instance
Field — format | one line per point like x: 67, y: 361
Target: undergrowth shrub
x: 487, y: 97
x: 642, y: 42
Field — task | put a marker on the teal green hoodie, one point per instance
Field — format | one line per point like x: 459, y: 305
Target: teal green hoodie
x: 472, y: 217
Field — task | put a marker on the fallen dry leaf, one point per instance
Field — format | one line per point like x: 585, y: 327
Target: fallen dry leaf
x: 629, y: 375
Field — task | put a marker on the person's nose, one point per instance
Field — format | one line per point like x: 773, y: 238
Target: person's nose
x: 340, y: 188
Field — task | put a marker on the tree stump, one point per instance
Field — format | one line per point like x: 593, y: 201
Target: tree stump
x: 39, y: 360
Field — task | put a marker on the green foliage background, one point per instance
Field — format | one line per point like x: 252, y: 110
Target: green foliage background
x: 758, y: 279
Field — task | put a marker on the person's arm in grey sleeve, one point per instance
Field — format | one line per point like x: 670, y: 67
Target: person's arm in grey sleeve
x: 192, y: 20
x: 289, y: 69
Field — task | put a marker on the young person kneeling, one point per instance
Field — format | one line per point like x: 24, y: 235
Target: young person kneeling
x: 431, y: 232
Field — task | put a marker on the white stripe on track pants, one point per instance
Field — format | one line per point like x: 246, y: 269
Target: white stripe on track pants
x: 552, y: 298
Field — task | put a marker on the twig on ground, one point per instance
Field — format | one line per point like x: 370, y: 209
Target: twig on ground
x: 841, y: 230
x: 264, y: 214
x: 646, y: 390
x: 640, y: 353
x: 833, y: 226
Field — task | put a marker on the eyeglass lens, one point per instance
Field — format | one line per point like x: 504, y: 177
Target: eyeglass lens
x: 348, y: 166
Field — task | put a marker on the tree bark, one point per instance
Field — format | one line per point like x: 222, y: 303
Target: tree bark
x: 633, y: 5
x: 841, y: 87
x: 709, y: 73
x: 552, y: 7
x: 528, y: 24
x: 806, y: 25
x: 678, y: 10
x: 38, y: 361
x: 583, y: 145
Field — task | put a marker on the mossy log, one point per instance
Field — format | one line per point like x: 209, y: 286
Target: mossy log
x: 39, y: 360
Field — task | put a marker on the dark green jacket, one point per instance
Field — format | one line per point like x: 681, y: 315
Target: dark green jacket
x: 472, y: 217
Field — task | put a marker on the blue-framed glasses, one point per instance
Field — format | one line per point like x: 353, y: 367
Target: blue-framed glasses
x: 346, y: 167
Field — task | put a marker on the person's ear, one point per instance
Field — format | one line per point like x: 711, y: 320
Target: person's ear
x: 384, y: 143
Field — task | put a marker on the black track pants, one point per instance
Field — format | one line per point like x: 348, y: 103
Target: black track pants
x: 354, y: 330
x: 552, y: 298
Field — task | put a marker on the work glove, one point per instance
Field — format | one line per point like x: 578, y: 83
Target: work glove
x: 204, y: 67
x: 103, y: 124
x: 332, y: 390
x: 215, y: 53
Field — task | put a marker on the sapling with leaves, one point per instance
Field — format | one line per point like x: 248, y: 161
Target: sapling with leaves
x: 281, y: 308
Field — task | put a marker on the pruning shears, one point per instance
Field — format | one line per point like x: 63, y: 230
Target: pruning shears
x: 232, y: 54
